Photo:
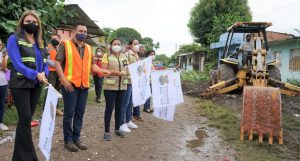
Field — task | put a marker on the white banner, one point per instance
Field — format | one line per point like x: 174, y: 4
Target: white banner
x: 165, y: 112
x: 48, y: 121
x: 178, y: 89
x: 140, y: 79
x: 166, y: 93
x: 163, y: 90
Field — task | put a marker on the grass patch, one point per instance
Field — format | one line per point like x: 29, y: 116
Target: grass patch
x: 10, y: 116
x: 194, y: 76
x: 224, y: 119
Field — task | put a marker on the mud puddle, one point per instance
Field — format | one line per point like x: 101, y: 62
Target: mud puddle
x: 195, y: 143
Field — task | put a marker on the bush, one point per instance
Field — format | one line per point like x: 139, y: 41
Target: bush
x: 194, y: 76
x: 294, y: 81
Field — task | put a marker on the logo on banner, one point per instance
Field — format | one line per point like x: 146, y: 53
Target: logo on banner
x: 163, y: 80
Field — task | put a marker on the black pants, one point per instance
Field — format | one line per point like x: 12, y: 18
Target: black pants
x: 53, y: 79
x: 25, y: 100
x: 113, y: 99
x: 98, y: 81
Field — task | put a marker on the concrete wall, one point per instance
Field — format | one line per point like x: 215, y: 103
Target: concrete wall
x: 285, y: 49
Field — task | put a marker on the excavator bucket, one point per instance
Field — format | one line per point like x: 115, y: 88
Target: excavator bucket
x: 261, y: 113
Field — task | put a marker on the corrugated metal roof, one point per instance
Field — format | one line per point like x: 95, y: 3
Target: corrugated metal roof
x: 92, y: 27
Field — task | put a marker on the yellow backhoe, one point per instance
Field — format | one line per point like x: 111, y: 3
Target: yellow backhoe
x: 260, y: 80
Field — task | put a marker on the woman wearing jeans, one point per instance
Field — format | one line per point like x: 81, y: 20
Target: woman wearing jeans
x: 115, y: 86
x: 28, y: 73
x: 3, y: 85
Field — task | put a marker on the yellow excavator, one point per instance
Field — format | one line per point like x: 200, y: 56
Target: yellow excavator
x: 260, y: 80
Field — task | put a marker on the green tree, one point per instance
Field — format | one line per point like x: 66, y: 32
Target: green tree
x: 125, y: 34
x: 157, y: 46
x: 162, y: 58
x: 51, y: 13
x: 148, y: 42
x: 206, y: 15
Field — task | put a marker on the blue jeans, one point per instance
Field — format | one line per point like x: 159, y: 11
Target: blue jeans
x: 113, y: 99
x: 3, y: 90
x: 126, y: 111
x: 147, y: 104
x: 74, y: 107
x: 98, y: 81
x: 127, y: 108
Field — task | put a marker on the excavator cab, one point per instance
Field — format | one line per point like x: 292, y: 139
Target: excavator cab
x: 260, y: 80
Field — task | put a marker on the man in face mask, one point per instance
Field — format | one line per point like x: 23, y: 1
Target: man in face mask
x: 53, y: 77
x: 74, y: 62
x: 98, y: 77
x: 246, y: 49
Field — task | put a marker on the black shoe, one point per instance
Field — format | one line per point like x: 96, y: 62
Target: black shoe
x: 138, y: 118
x: 80, y: 145
x: 147, y: 111
x: 71, y: 147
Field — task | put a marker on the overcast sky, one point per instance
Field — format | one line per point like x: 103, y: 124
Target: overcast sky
x: 166, y: 20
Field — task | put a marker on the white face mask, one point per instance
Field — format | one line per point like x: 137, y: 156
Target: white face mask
x: 99, y: 53
x: 153, y: 57
x: 136, y: 48
x: 116, y: 48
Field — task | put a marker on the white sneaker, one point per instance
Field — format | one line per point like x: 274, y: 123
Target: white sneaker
x: 130, y: 124
x: 3, y: 127
x: 124, y: 128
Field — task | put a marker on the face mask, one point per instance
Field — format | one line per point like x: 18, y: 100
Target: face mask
x: 99, y: 53
x: 153, y: 57
x: 116, y: 48
x: 80, y: 37
x: 54, y: 42
x: 31, y: 28
x: 136, y: 48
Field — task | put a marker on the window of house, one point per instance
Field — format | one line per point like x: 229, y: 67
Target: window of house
x: 294, y: 63
x: 277, y: 57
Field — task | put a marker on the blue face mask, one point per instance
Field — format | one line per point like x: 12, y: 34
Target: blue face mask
x: 80, y: 37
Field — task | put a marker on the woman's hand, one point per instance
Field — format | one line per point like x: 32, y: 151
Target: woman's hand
x: 42, y: 78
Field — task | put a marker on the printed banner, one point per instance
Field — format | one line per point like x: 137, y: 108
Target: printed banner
x: 163, y: 90
x: 165, y: 112
x: 178, y: 89
x: 140, y: 79
x: 48, y: 121
x: 166, y: 93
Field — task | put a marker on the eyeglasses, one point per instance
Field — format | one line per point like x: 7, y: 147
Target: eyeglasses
x: 152, y: 54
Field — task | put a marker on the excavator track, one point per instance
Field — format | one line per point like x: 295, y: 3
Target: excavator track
x: 261, y: 113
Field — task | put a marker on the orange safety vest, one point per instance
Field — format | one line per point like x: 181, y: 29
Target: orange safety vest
x: 77, y: 70
x: 52, y: 53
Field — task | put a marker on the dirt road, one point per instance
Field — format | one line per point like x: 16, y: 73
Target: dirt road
x: 187, y: 138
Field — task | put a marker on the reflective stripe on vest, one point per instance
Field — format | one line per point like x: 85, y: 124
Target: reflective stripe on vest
x: 28, y: 59
x: 24, y: 43
x: 52, y: 53
x: 77, y: 69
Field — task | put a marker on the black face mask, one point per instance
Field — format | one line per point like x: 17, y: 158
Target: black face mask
x: 31, y: 28
x: 54, y: 42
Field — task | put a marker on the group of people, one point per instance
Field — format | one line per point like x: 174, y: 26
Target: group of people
x: 67, y: 65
